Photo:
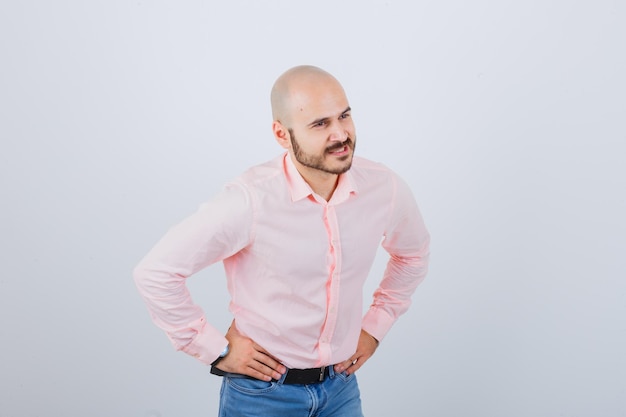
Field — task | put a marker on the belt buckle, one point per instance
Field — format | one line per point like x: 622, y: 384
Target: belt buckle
x: 322, y: 369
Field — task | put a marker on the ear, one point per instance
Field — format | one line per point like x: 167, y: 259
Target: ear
x: 281, y: 134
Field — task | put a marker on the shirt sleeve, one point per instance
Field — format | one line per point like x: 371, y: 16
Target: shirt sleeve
x: 407, y: 241
x: 219, y: 229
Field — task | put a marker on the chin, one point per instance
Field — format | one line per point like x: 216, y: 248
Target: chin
x: 345, y: 168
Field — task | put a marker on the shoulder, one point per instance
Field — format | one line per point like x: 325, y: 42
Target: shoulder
x: 370, y: 175
x: 367, y: 171
x: 261, y: 175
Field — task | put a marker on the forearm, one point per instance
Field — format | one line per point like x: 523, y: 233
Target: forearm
x: 172, y: 309
x: 393, y: 297
x: 196, y: 242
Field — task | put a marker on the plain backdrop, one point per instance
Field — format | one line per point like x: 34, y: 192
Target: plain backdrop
x: 507, y: 119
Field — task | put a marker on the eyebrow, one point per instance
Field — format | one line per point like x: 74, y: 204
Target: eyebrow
x: 323, y: 119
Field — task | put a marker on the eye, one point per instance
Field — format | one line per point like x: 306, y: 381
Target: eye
x: 321, y: 123
x: 344, y: 116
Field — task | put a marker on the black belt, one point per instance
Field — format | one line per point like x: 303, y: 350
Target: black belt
x: 294, y: 376
x: 306, y: 376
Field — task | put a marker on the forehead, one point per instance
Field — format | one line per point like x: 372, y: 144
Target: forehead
x: 313, y: 100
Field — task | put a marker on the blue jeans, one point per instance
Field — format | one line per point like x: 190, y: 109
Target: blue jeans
x: 337, y: 396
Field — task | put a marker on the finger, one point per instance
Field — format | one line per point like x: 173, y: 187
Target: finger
x: 268, y: 366
x: 262, y: 372
x: 266, y: 371
x: 248, y: 366
x: 257, y: 374
x: 260, y: 349
x: 263, y: 357
x: 355, y: 365
x: 342, y: 366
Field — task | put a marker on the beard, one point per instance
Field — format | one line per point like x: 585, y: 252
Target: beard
x: 319, y: 162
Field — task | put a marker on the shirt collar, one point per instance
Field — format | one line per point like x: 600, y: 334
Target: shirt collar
x: 299, y: 189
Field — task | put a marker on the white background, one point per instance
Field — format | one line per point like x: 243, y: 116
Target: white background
x: 118, y: 118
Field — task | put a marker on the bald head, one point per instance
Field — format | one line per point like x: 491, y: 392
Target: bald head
x: 292, y: 87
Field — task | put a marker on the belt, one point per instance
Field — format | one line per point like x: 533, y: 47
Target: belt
x: 293, y: 376
x: 306, y: 376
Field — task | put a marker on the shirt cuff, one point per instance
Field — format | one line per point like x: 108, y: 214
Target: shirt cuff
x: 207, y: 345
x: 377, y: 322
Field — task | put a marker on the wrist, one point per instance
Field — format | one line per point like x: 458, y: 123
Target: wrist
x: 373, y: 338
x: 222, y: 355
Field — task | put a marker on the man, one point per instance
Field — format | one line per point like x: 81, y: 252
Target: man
x: 297, y: 236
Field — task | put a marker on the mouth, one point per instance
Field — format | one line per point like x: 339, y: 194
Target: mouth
x: 340, y: 149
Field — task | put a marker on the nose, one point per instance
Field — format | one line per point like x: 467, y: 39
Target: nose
x: 338, y: 133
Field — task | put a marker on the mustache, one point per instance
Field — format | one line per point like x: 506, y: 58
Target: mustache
x: 348, y: 142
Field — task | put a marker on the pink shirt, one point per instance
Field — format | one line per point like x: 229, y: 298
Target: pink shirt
x: 295, y: 263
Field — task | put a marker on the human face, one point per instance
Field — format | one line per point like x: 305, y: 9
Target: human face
x: 343, y: 152
x: 322, y: 134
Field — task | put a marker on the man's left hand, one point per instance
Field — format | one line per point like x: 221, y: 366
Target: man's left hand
x: 365, y: 349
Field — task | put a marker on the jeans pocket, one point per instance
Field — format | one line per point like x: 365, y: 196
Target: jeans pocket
x: 344, y: 376
x: 251, y: 386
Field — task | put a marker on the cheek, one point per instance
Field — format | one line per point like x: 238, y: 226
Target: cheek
x: 349, y: 127
x: 314, y: 143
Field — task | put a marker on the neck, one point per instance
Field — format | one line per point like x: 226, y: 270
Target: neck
x: 322, y: 183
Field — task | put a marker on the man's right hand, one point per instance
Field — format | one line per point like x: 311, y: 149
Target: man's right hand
x: 247, y: 358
